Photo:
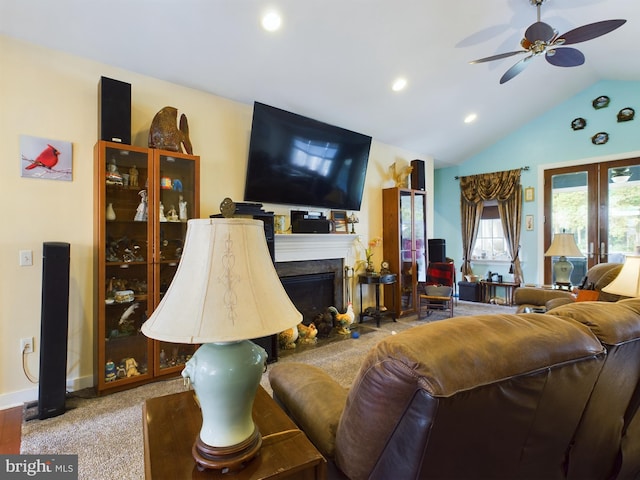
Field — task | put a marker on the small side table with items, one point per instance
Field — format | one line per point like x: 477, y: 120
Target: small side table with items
x: 488, y: 291
x: 377, y: 280
x: 171, y: 423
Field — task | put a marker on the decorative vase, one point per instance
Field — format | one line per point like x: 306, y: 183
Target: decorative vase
x: 111, y: 213
x: 370, y: 268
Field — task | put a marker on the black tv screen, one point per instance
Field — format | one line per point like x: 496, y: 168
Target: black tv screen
x: 295, y: 160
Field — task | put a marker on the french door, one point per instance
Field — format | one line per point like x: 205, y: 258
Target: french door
x: 600, y: 204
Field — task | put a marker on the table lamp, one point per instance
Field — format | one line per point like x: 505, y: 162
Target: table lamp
x: 563, y: 246
x: 225, y: 292
x: 627, y: 283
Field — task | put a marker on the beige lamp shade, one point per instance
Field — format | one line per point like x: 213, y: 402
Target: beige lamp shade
x: 225, y: 289
x: 563, y: 245
x: 627, y: 283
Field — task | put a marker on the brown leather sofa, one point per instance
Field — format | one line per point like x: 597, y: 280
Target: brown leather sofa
x: 503, y: 396
x: 598, y: 277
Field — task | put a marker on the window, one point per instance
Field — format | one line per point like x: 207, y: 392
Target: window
x: 490, y: 242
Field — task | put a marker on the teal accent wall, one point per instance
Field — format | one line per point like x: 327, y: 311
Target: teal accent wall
x: 547, y: 140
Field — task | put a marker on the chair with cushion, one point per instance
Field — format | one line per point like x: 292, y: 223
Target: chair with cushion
x: 598, y: 277
x: 438, y: 290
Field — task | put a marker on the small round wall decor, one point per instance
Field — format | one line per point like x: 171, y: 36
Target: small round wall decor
x: 601, y: 102
x: 578, y: 123
x: 626, y: 114
x: 600, y: 138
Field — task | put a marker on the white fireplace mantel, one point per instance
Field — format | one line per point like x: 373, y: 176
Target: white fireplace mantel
x: 314, y: 246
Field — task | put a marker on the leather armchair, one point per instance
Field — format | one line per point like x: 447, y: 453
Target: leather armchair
x: 549, y: 396
x: 598, y: 277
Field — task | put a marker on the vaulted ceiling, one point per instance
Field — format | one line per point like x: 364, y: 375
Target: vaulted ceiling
x: 335, y: 60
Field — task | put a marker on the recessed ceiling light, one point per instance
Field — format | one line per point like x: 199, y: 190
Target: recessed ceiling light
x: 399, y: 84
x: 271, y: 21
x: 470, y: 118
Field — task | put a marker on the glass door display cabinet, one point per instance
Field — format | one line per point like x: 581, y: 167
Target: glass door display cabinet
x: 143, y: 199
x: 404, y: 245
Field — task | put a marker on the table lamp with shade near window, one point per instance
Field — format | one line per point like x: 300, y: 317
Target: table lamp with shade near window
x: 627, y: 283
x: 563, y: 246
x: 225, y: 292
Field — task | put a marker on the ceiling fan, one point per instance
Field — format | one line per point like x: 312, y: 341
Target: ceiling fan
x: 541, y: 38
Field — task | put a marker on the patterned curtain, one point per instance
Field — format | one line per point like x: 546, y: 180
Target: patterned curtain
x: 506, y: 189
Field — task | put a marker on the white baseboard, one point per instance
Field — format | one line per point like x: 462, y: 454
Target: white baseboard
x: 19, y: 398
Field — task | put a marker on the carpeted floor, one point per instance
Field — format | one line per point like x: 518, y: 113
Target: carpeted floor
x: 106, y: 432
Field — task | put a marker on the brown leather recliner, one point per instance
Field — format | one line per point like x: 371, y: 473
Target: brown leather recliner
x: 492, y: 396
x: 603, y: 446
x: 598, y: 277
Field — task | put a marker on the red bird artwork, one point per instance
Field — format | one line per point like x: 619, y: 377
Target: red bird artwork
x: 48, y: 158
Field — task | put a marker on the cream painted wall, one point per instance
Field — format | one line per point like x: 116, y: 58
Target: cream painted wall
x: 49, y: 94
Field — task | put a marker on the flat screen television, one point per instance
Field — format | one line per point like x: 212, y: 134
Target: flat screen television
x: 295, y: 160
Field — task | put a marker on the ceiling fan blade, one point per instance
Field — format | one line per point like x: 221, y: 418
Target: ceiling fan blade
x: 565, y: 57
x: 592, y: 30
x: 497, y: 57
x: 516, y: 69
x: 539, y: 31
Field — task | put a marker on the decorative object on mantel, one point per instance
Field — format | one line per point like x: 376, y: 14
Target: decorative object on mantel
x: 601, y: 102
x: 165, y: 135
x: 600, y: 138
x: 578, y: 123
x: 353, y: 219
x: 339, y: 220
x: 626, y: 114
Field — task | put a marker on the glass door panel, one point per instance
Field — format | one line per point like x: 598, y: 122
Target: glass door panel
x: 600, y: 204
x: 127, y: 264
x: 420, y: 234
x: 622, y: 214
x: 406, y: 251
x: 176, y: 195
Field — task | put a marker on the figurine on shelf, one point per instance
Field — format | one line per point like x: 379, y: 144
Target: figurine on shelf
x: 172, y: 215
x: 111, y: 213
x: 133, y: 176
x: 141, y: 211
x: 163, y: 218
x: 109, y: 371
x: 113, y: 176
x: 182, y: 208
x: 131, y: 367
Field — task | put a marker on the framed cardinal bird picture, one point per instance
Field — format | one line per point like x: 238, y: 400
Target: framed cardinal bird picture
x: 45, y: 158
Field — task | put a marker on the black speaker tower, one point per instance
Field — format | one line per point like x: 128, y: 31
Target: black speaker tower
x: 54, y: 329
x: 114, y: 111
x: 437, y: 250
x: 417, y: 175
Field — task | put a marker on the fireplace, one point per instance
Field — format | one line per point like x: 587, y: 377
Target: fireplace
x: 313, y: 285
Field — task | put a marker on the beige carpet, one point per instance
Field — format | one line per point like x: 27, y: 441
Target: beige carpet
x: 106, y: 432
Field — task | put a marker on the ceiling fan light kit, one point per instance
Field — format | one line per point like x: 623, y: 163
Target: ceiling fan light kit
x: 541, y: 38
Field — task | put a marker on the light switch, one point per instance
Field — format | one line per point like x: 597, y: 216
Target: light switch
x: 26, y: 258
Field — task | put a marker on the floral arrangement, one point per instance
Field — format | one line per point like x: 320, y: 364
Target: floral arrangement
x: 373, y: 243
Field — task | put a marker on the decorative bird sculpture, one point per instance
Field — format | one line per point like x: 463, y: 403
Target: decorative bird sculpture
x: 307, y: 334
x: 48, y: 158
x: 324, y: 323
x: 343, y: 320
x: 287, y: 338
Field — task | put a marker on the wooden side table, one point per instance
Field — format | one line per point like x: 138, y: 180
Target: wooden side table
x: 488, y: 290
x: 171, y: 424
x: 377, y: 280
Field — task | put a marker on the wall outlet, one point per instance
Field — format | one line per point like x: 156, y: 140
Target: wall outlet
x: 26, y: 345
